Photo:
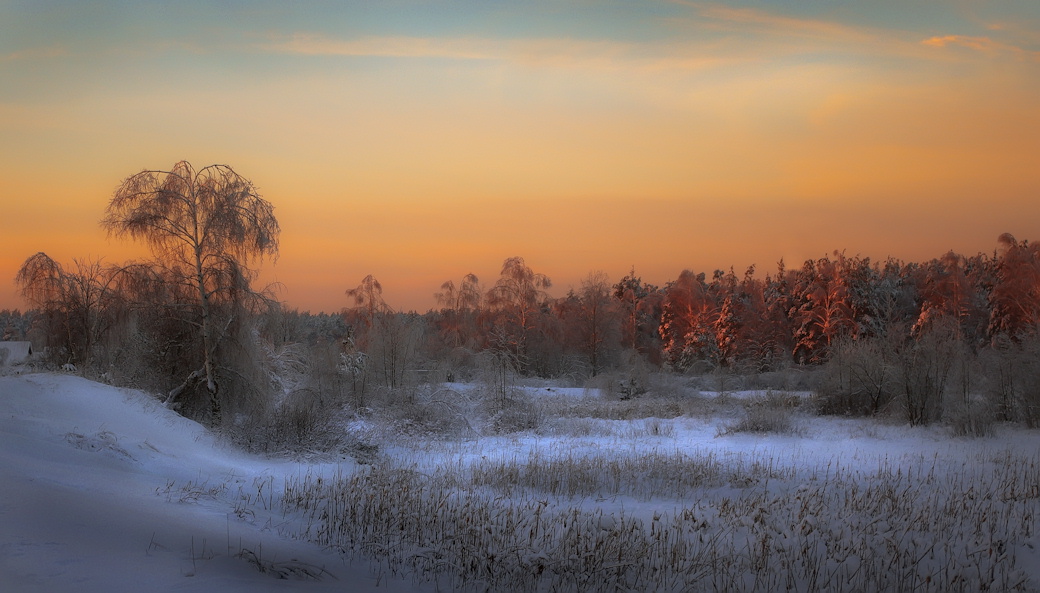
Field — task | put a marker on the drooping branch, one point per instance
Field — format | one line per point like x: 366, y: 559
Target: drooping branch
x: 205, y: 228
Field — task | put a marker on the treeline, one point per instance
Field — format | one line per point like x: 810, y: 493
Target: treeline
x: 698, y: 324
x: 953, y: 336
x: 189, y: 324
x: 127, y: 322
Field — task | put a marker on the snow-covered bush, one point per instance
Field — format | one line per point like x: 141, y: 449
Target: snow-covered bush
x: 437, y: 413
x: 513, y: 413
x: 771, y: 413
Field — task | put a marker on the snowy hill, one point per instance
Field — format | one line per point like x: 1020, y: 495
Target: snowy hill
x: 103, y: 489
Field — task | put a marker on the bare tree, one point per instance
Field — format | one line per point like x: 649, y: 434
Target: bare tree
x: 926, y: 366
x: 76, y: 302
x: 368, y: 300
x: 460, y: 305
x: 516, y: 301
x: 862, y: 375
x: 205, y: 228
x: 599, y: 322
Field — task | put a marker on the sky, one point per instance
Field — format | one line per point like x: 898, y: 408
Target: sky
x: 421, y: 141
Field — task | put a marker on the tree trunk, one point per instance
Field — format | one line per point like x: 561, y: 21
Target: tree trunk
x: 177, y: 391
x: 207, y: 337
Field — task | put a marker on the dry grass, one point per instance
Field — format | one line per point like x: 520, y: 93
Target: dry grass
x: 630, y: 409
x: 769, y: 414
x: 748, y: 524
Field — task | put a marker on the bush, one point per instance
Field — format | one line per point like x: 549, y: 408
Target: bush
x: 859, y: 379
x: 925, y: 369
x: 974, y: 418
x: 514, y: 412
x: 769, y: 414
x: 1012, y: 370
x: 433, y: 413
x: 301, y: 425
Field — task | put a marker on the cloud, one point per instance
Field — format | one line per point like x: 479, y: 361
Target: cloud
x: 706, y: 36
x: 749, y: 19
x: 984, y: 45
x: 977, y: 43
x: 35, y: 53
x: 399, y: 47
x: 532, y: 52
x: 1022, y: 32
x: 767, y: 35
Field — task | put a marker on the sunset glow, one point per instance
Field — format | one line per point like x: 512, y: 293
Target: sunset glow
x: 419, y: 142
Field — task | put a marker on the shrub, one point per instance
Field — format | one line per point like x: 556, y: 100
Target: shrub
x: 514, y: 412
x: 769, y: 414
x: 925, y: 370
x: 859, y: 379
x: 973, y: 418
x: 435, y: 413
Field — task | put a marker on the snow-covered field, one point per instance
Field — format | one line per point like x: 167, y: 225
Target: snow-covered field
x: 102, y: 489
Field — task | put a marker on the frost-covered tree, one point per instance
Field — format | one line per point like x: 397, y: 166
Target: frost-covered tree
x: 945, y: 290
x: 15, y: 325
x: 640, y: 304
x: 1015, y: 298
x: 460, y: 305
x: 688, y: 315
x: 516, y: 303
x: 205, y: 228
x: 368, y: 302
x: 591, y: 320
x: 823, y: 310
x: 76, y: 304
x: 728, y: 326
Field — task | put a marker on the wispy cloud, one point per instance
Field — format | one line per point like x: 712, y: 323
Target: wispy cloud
x: 310, y: 44
x: 783, y: 33
x: 34, y: 53
x: 984, y: 45
x: 977, y: 43
x: 759, y: 21
x: 709, y: 35
x: 539, y: 52
x: 769, y: 34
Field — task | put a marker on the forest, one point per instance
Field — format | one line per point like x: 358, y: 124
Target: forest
x: 953, y: 337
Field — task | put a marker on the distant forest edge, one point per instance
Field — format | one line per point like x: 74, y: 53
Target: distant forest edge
x: 189, y: 324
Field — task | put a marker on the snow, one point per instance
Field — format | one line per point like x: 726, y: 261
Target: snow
x: 104, y: 489
x: 95, y: 496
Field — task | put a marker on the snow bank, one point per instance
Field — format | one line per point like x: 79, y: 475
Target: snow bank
x: 103, y: 489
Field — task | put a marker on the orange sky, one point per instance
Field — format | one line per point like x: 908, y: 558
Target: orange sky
x: 418, y: 142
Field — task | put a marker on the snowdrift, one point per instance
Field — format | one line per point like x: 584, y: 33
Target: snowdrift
x: 103, y: 489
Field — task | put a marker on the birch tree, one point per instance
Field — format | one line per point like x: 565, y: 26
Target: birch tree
x: 76, y: 302
x: 459, y: 308
x: 205, y: 228
x: 516, y: 302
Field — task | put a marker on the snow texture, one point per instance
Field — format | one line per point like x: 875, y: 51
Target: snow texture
x: 104, y: 490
